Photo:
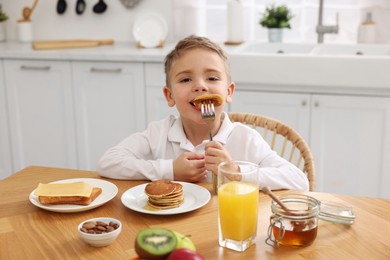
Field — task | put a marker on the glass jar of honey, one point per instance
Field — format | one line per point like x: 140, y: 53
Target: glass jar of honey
x: 296, y: 227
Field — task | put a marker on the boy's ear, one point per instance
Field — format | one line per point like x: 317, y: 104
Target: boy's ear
x: 169, y: 96
x: 230, y: 91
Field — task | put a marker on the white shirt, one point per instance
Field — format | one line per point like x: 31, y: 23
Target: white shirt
x: 150, y: 154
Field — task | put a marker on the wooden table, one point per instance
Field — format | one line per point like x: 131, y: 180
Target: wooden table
x: 28, y: 232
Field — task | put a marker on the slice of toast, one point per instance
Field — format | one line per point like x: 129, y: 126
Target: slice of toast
x: 75, y: 200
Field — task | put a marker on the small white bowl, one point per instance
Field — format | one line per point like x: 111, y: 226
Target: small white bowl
x: 99, y: 240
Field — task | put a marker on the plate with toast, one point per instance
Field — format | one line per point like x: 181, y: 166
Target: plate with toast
x: 138, y: 199
x: 73, y: 195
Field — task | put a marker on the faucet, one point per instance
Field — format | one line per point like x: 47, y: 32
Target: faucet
x: 322, y: 29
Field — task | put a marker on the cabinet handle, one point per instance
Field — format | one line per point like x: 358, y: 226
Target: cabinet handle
x: 316, y: 103
x: 29, y: 67
x: 118, y: 70
x: 304, y: 103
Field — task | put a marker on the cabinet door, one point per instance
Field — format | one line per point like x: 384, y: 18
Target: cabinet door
x: 5, y: 147
x: 41, y: 113
x: 156, y: 105
x: 292, y: 109
x: 109, y: 106
x: 350, y: 138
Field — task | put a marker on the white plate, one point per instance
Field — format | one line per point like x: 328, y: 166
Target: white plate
x: 195, y: 197
x: 109, y: 191
x: 150, y: 29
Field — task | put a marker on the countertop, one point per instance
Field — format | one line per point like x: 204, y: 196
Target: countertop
x: 119, y: 51
x: 305, y: 72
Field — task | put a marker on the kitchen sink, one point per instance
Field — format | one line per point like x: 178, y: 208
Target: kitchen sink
x: 278, y: 48
x: 352, y: 49
x: 314, y: 49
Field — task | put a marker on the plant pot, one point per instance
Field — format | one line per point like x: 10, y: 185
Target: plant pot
x: 2, y: 32
x: 275, y: 34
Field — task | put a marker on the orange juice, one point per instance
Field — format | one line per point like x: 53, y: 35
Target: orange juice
x: 238, y: 205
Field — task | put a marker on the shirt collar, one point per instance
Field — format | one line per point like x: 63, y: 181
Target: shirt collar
x: 176, y: 133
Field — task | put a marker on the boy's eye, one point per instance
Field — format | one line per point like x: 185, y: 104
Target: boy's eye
x: 213, y: 78
x: 185, y: 80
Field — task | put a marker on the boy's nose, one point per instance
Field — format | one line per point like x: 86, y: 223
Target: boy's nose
x: 200, y: 86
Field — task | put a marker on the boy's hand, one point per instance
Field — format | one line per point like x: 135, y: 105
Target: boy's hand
x: 189, y: 167
x: 215, y: 154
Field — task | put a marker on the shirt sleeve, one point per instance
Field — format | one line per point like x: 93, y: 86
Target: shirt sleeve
x: 133, y: 158
x: 274, y: 171
x: 278, y: 173
x: 281, y: 174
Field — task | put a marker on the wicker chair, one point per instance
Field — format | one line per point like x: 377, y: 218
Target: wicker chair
x: 282, y: 139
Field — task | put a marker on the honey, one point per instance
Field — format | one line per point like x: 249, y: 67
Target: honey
x: 295, y: 238
x: 296, y: 227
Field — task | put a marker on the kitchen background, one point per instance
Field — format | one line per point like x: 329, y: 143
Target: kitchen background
x: 55, y: 106
x: 200, y: 16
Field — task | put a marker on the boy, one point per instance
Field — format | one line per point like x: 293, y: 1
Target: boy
x: 178, y: 148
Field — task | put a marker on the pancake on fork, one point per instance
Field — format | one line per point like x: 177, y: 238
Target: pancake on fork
x: 209, y: 99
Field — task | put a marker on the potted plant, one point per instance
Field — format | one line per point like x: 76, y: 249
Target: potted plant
x: 3, y: 17
x: 276, y: 18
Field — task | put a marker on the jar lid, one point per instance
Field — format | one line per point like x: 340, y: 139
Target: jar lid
x: 336, y: 212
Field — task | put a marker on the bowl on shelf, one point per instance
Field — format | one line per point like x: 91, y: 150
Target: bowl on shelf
x: 99, y: 232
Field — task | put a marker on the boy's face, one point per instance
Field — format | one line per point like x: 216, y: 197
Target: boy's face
x: 197, y: 72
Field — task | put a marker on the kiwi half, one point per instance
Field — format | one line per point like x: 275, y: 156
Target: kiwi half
x: 155, y: 243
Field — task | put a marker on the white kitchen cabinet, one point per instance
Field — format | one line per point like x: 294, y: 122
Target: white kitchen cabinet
x: 349, y: 135
x: 350, y: 140
x: 110, y: 105
x: 5, y: 146
x: 41, y: 115
x: 156, y: 105
x: 292, y: 109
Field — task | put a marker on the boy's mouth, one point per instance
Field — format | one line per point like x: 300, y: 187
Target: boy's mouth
x: 207, y: 98
x: 197, y: 106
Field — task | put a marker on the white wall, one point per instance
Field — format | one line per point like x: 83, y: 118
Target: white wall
x: 305, y: 12
x: 116, y: 22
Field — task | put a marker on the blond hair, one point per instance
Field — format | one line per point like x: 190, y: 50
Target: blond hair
x: 192, y: 42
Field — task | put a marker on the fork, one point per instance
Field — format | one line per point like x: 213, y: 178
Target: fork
x: 208, y: 115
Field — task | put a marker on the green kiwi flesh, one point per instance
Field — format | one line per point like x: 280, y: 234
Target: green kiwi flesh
x: 155, y: 243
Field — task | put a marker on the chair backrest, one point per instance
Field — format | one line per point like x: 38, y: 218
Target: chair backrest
x: 282, y: 139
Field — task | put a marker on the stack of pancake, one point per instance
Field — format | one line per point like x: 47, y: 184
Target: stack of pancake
x: 164, y: 194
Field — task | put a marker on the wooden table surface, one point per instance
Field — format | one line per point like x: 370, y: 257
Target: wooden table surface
x: 28, y: 232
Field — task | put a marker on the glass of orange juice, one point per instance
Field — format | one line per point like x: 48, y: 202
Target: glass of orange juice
x: 238, y: 200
